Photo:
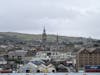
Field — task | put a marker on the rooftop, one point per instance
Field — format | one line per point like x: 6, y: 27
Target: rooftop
x: 90, y: 50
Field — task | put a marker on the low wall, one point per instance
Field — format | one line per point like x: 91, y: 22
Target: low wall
x: 49, y: 73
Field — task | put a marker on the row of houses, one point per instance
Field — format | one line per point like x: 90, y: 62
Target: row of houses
x: 84, y: 57
x: 54, y: 54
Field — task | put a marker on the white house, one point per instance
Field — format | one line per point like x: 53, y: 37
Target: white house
x: 46, y: 69
x: 28, y: 68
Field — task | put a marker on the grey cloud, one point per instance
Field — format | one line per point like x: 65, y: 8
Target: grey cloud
x: 66, y: 17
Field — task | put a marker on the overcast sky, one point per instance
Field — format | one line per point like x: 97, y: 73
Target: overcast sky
x: 65, y: 17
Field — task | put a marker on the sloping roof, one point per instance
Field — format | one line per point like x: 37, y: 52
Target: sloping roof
x: 62, y: 66
x: 90, y: 50
x: 82, y: 49
x: 17, y: 53
x: 37, y: 62
x: 32, y: 64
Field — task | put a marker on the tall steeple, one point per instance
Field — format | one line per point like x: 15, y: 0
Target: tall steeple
x: 44, y: 31
x: 57, y: 40
x: 44, y: 38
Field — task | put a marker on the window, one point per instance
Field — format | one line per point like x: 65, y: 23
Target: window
x: 13, y: 57
x: 19, y: 57
x: 27, y: 71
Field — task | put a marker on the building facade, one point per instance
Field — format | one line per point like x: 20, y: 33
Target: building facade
x: 87, y: 56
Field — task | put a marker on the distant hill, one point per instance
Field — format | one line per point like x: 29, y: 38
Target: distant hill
x: 28, y: 37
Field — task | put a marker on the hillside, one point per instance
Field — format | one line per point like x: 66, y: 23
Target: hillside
x: 28, y: 37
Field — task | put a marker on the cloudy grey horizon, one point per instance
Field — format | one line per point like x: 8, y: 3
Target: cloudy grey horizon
x: 79, y: 18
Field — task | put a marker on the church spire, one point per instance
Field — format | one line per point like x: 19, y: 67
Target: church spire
x: 57, y: 40
x: 44, y: 37
x: 44, y: 31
